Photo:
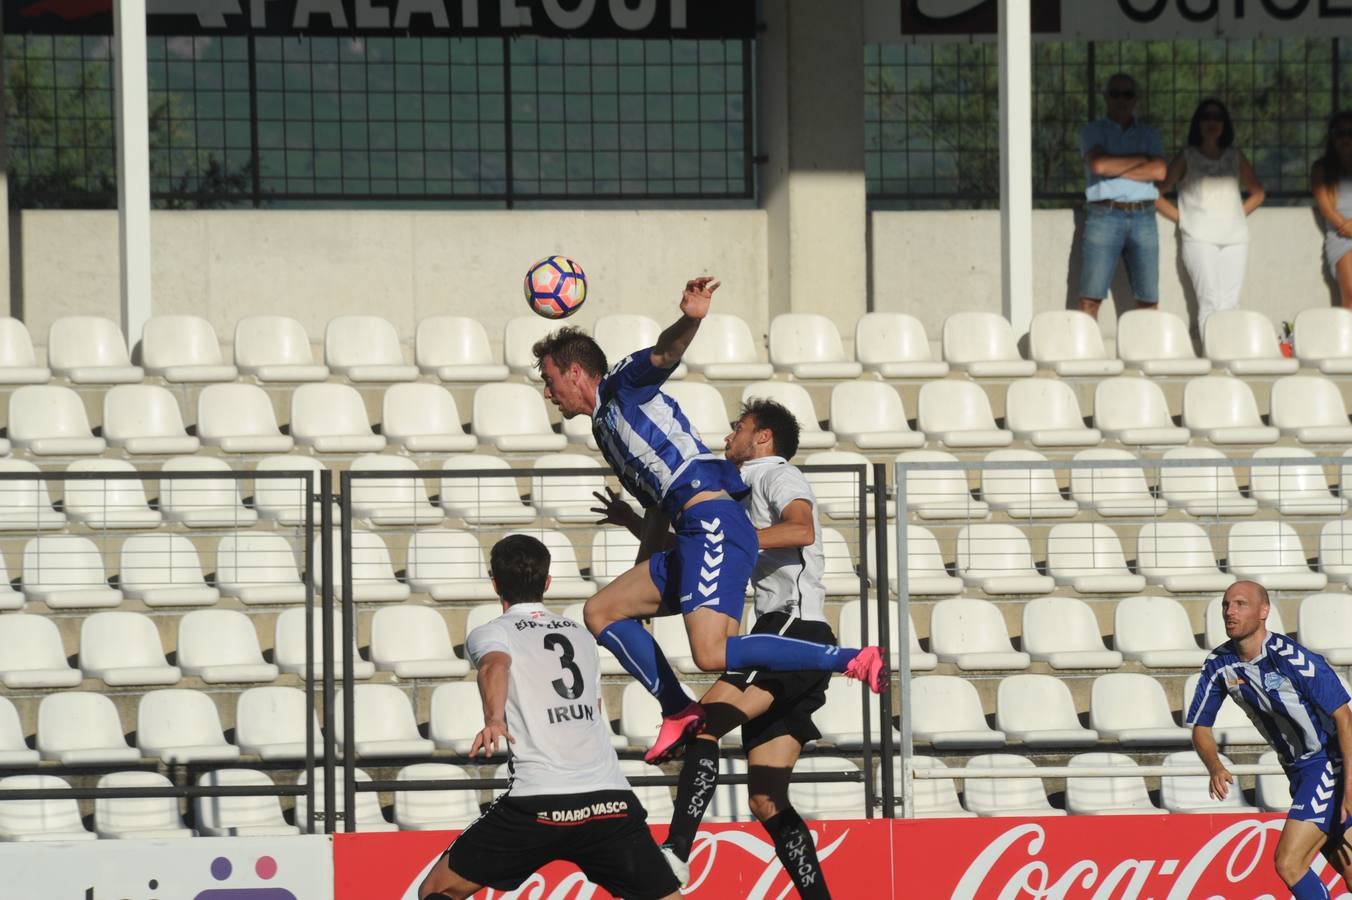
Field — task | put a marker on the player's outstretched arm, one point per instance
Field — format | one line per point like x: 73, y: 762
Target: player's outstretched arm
x: 655, y: 534
x: 493, y: 672
x: 794, y: 528
x: 1204, y: 742
x: 672, y: 343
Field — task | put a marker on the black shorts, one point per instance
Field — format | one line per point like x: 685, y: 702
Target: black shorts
x: 797, y: 694
x: 603, y: 833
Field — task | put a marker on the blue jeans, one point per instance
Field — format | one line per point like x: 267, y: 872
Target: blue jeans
x: 1112, y: 234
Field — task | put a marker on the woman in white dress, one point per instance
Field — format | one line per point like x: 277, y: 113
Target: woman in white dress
x: 1332, y: 178
x: 1217, y: 190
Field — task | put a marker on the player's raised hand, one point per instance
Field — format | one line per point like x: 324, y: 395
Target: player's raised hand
x: 488, y: 737
x: 613, y: 510
x: 1219, y: 788
x: 698, y: 294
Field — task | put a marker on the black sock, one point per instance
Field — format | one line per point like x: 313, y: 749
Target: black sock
x: 699, y: 777
x: 793, y: 845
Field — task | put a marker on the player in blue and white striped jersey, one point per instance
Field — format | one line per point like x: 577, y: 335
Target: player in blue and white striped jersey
x: 649, y: 443
x: 1296, y: 701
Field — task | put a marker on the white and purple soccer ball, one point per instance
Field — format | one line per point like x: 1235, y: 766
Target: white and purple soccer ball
x: 555, y: 287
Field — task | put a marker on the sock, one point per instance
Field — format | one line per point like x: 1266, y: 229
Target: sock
x: 641, y: 657
x: 793, y: 845
x: 699, y: 777
x: 784, y: 654
x: 1309, y: 888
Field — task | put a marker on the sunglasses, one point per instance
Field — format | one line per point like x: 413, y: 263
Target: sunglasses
x: 1121, y: 95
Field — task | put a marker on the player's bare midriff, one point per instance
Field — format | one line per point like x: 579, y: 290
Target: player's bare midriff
x: 702, y: 496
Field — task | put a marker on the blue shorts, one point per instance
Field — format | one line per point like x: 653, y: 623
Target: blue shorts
x: 1317, y: 795
x: 1113, y: 234
x: 711, y: 564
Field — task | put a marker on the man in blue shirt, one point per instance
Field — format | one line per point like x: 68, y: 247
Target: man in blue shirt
x: 1298, y: 704
x: 658, y: 457
x: 1123, y: 158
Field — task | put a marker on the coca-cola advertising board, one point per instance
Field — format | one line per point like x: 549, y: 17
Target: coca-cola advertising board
x: 1165, y: 857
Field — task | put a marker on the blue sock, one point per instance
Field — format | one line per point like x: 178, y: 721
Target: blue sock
x: 775, y: 653
x: 641, y: 657
x: 1309, y: 888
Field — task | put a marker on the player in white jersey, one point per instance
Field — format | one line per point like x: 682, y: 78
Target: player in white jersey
x: 568, y: 800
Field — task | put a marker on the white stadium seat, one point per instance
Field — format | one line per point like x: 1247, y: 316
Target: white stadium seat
x: 79, y: 728
x: 1063, y: 632
x: 289, y: 646
x: 373, y: 578
x: 1232, y: 726
x: 183, y: 350
x: 656, y: 798
x: 181, y: 726
x: 1069, y: 343
x: 276, y: 348
x: 239, y: 418
x: 841, y: 718
x: 997, y: 559
x: 519, y: 334
x: 808, y: 345
x: 448, y: 564
x: 512, y: 418
x: 456, y: 717
x: 45, y: 819
x: 1156, y: 632
x: 837, y: 493
x: 724, y: 350
x: 483, y: 501
x: 90, y: 350
x: 567, y: 499
x: 1024, y: 493
x: 1044, y: 412
x: 827, y: 800
x: 946, y: 713
x: 939, y: 493
x: 566, y: 581
x: 640, y: 714
x: 1243, y: 342
x: 1222, y: 409
x: 972, y: 634
x: 958, y: 414
x: 1291, y: 485
x: 671, y: 637
x: 413, y: 641
x: 1273, y: 792
x: 239, y: 816
x: 1335, y: 551
x: 1269, y: 552
x: 796, y: 399
x: 1107, y: 796
x: 10, y: 598
x: 849, y: 632
x: 1203, y: 491
x: 365, y: 349
x: 50, y: 420
x: 613, y: 551
x: 220, y: 646
x: 1088, y: 559
x: 65, y: 571
x: 258, y: 568
x: 895, y: 346
x: 1132, y: 709
x: 32, y: 655
x: 926, y: 575
x: 138, y: 818
x: 456, y: 349
x: 1310, y: 409
x: 1325, y: 339
x: 331, y: 418
x: 870, y: 415
x: 933, y: 798
x: 1006, y: 797
x: 1325, y: 626
x: 270, y: 723
x: 123, y: 648
x: 729, y: 803
x: 620, y: 334
x: 1191, y: 793
x: 423, y: 418
x: 982, y: 345
x: 203, y: 502
x: 14, y: 749
x: 145, y: 419
x: 26, y: 505
x: 1039, y: 711
x: 385, y: 725
x: 390, y: 501
x: 107, y: 501
x: 1178, y: 557
x: 703, y: 407
x: 367, y: 817
x: 18, y: 362
x: 1134, y: 411
x: 840, y: 575
x: 1157, y: 343
x: 434, y: 810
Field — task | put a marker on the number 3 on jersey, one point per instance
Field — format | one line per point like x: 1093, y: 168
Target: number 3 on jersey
x: 572, y: 688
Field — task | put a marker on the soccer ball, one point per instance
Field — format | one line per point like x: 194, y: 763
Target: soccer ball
x: 555, y: 287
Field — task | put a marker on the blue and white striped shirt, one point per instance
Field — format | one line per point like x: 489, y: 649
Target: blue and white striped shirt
x: 1288, y: 692
x: 648, y: 441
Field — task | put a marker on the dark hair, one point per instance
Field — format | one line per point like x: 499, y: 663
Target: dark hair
x: 519, y: 564
x: 782, y: 425
x: 571, y: 345
x: 1121, y: 76
x: 1195, y: 127
x: 1329, y: 165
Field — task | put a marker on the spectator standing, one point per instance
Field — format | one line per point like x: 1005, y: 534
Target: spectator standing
x: 1332, y: 179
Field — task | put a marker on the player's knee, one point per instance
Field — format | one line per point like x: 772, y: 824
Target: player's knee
x: 596, y: 617
x: 709, y: 658
x: 765, y: 806
x: 1290, y: 866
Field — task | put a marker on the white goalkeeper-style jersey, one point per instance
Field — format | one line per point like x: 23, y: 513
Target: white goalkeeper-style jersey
x: 553, y: 706
x: 786, y: 579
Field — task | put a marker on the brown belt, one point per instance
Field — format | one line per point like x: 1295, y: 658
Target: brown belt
x: 1132, y: 206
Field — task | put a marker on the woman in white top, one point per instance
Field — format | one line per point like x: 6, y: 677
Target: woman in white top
x: 1332, y: 177
x: 1213, y: 179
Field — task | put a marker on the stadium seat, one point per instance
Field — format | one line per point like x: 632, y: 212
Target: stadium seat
x: 434, y: 810
x: 220, y: 646
x: 620, y: 334
x: 1045, y: 413
x: 448, y: 564
x: 32, y: 655
x: 1063, y: 633
x: 455, y: 717
x: 827, y: 800
x: 1291, y: 486
x: 1222, y: 410
x: 703, y: 407
x: 144, y: 419
x: 1156, y: 632
x: 183, y: 350
x: 946, y: 714
x: 1134, y: 411
x: 613, y: 551
x: 1132, y: 709
x: 45, y: 819
x: 90, y: 350
x: 259, y: 815
x: 276, y: 348
x: 567, y: 499
x: 972, y: 634
x: 1024, y: 493
x: 997, y: 559
x: 609, y: 664
x: 671, y: 637
x: 518, y: 336
x: 390, y: 501
x: 932, y: 798
x: 50, y: 420
x: 413, y: 641
x: 270, y: 723
x: 656, y: 798
x: 124, y: 648
x: 1006, y: 797
x: 837, y: 493
x: 289, y: 646
x: 848, y: 633
x: 724, y: 350
x: 729, y: 802
x: 365, y: 349
x: 1325, y: 339
x: 1088, y: 559
x: 373, y: 578
x: 483, y: 501
x: 939, y: 493
x: 982, y: 345
x: 795, y: 398
x: 512, y: 418
x: 640, y: 714
x: 1069, y: 343
x: 1157, y: 343
x: 1310, y: 409
x: 1215, y: 624
x: 368, y: 816
x: 1039, y: 711
x: 105, y: 501
x: 180, y: 725
x: 239, y: 418
x: 1243, y: 342
x: 578, y: 430
x: 808, y: 345
x: 14, y: 749
x: 79, y: 728
x: 1273, y: 792
x: 1324, y: 626
x: 203, y: 502
x: 456, y: 349
x: 1203, y: 491
x: 840, y: 575
x: 1269, y: 552
x: 869, y: 414
x: 331, y: 418
x: 1178, y: 557
x: 26, y: 505
x: 957, y: 414
x: 1335, y: 551
x: 1107, y: 796
x: 895, y: 345
x: 258, y: 568
x: 138, y: 818
x: 566, y: 581
x: 18, y: 362
x: 163, y: 570
x: 385, y: 724
x: 1232, y: 727
x: 65, y: 571
x: 926, y: 574
x: 423, y: 418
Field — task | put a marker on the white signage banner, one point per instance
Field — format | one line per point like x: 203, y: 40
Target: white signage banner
x: 281, y: 868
